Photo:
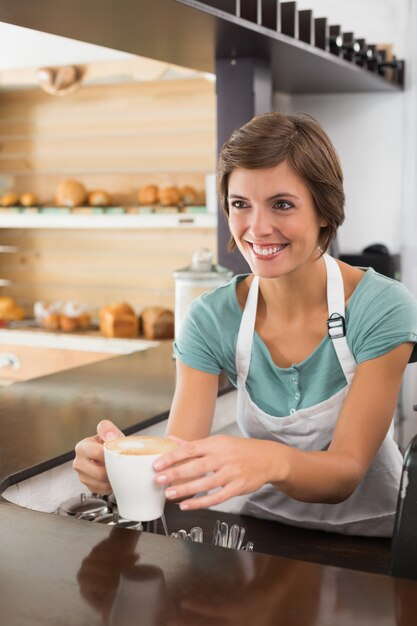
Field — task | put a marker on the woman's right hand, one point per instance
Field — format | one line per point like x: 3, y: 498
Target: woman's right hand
x: 89, y: 458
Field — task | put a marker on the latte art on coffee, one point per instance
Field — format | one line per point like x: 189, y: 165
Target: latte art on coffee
x: 140, y: 446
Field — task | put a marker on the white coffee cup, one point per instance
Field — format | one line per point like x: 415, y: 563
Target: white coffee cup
x: 130, y: 468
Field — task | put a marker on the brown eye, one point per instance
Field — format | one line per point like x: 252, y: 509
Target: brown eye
x: 238, y: 204
x: 283, y: 205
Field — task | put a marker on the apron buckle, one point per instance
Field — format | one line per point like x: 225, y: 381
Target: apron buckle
x: 336, y: 326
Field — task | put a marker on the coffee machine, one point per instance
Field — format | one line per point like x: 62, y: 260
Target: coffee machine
x: 378, y: 257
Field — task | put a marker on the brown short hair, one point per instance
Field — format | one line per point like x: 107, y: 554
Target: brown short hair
x: 272, y: 138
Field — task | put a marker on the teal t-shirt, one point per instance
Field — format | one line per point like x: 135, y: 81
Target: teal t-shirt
x: 381, y: 315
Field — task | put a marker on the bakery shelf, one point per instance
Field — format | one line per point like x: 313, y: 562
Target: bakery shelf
x: 94, y: 342
x: 152, y: 220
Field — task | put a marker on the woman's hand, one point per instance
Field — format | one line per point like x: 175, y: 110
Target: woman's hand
x: 230, y: 465
x: 89, y: 458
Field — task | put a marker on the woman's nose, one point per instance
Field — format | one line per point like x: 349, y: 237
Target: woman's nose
x: 260, y: 223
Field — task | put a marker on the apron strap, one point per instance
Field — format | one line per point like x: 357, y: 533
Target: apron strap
x: 336, y: 323
x: 246, y: 332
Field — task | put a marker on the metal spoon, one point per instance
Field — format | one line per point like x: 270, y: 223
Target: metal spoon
x: 242, y: 532
x: 182, y: 534
x: 224, y: 531
x: 233, y: 536
x: 216, y: 535
x: 196, y: 534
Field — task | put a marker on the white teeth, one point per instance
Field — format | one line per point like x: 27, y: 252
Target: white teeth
x: 267, y: 251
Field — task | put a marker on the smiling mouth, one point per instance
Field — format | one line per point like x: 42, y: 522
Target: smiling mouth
x: 268, y: 250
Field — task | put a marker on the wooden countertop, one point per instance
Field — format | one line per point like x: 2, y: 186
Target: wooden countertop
x: 58, y: 570
x: 64, y: 571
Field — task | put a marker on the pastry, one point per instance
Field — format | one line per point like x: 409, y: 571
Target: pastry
x: 189, y: 195
x: 71, y: 193
x: 157, y: 323
x: 51, y: 321
x: 99, y: 197
x: 169, y: 196
x: 66, y: 316
x: 68, y: 324
x: 10, y: 310
x: 119, y: 320
x: 10, y: 199
x: 73, y: 316
x: 149, y: 194
x: 28, y: 199
x: 47, y: 314
x: 84, y: 320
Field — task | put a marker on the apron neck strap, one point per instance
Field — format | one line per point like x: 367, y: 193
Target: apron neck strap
x: 335, y: 290
x: 336, y: 322
x: 246, y: 332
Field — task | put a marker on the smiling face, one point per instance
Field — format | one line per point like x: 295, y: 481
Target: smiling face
x: 272, y: 219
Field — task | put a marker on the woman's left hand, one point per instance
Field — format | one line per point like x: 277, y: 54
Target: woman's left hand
x: 229, y: 465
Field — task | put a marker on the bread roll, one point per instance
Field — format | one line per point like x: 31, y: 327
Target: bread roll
x: 189, y: 195
x: 99, y: 197
x: 157, y: 323
x: 68, y: 324
x: 71, y: 193
x: 119, y: 320
x: 149, y: 194
x: 169, y: 196
x: 9, y: 309
x: 28, y: 199
x: 51, y: 321
x: 67, y: 316
x: 84, y: 320
x: 10, y: 199
x: 73, y: 316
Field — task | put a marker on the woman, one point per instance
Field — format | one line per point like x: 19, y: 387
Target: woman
x: 315, y: 347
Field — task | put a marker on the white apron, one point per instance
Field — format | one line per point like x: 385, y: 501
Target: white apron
x: 370, y: 510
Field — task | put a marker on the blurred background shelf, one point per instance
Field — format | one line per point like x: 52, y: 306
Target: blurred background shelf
x: 128, y: 221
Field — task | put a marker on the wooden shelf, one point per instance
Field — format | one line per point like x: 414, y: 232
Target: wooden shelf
x: 296, y: 67
x: 192, y: 34
x: 152, y: 220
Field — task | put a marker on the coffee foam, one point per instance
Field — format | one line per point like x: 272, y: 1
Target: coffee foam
x: 140, y: 446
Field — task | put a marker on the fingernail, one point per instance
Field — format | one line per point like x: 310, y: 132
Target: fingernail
x: 184, y: 506
x: 170, y: 493
x: 158, y: 465
x: 109, y: 436
x: 161, y: 479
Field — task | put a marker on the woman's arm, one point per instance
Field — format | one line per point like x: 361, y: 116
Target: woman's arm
x: 233, y: 466
x: 194, y: 403
x: 365, y: 418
